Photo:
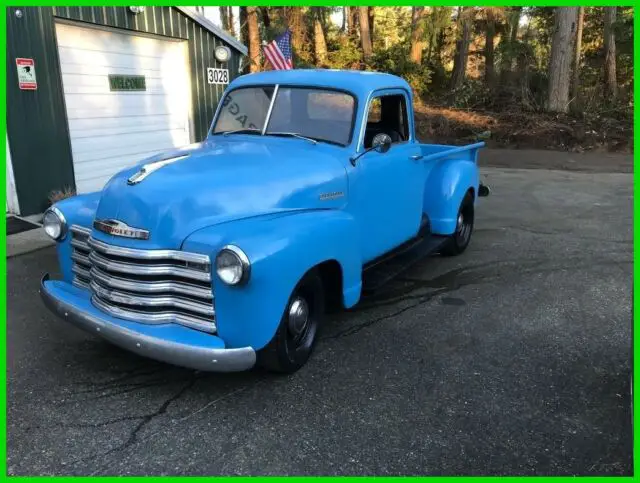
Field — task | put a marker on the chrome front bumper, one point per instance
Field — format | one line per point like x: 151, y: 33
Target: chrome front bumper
x: 170, y: 343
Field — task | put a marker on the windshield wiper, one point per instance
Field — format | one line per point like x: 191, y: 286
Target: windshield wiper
x: 246, y: 130
x: 293, y: 135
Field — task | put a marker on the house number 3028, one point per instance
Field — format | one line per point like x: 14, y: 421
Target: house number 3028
x: 217, y: 76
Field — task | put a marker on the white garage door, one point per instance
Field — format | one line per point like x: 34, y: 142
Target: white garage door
x: 115, y: 120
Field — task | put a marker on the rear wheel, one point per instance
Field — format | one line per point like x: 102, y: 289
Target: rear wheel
x: 295, y: 338
x: 464, y: 228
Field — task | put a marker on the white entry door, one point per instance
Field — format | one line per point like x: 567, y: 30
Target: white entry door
x: 127, y: 97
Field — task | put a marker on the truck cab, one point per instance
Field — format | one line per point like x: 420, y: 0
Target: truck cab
x: 229, y: 252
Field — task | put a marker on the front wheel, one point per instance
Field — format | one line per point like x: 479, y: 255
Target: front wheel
x: 464, y: 228
x: 295, y: 338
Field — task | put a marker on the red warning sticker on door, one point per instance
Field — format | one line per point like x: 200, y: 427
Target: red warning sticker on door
x: 26, y: 74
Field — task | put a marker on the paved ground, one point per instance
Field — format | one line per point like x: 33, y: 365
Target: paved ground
x: 514, y: 358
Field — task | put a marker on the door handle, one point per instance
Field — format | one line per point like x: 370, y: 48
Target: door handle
x: 416, y: 157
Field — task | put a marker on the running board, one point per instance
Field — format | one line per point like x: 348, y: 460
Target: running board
x: 382, y: 270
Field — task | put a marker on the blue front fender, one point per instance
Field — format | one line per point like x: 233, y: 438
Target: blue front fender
x: 447, y: 183
x: 281, y: 249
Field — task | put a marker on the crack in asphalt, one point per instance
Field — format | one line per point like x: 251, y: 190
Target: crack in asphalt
x: 146, y: 419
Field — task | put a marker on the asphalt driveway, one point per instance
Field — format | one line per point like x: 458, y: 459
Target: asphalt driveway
x: 514, y: 358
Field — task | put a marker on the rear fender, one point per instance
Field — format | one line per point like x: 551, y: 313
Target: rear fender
x: 281, y: 249
x: 446, y: 186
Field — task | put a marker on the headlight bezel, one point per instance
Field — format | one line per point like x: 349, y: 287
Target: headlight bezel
x: 242, y: 260
x: 62, y: 221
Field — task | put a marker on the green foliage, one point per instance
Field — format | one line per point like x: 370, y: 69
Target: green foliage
x: 396, y: 59
x: 344, y: 53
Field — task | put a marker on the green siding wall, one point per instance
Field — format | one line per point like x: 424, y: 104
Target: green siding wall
x: 36, y: 120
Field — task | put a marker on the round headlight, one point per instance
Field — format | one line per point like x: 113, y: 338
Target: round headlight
x: 54, y: 224
x: 232, y: 265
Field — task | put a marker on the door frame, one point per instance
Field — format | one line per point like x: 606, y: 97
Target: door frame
x: 13, y: 205
x: 386, y: 91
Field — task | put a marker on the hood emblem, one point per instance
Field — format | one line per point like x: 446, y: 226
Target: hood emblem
x: 147, y: 169
x: 118, y: 228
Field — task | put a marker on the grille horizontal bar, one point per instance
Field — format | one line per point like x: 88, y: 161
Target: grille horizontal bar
x: 153, y: 318
x: 150, y: 287
x: 141, y: 269
x: 129, y: 298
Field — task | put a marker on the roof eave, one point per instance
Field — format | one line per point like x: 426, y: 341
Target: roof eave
x: 217, y: 31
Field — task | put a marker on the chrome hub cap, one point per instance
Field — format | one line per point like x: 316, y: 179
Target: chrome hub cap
x: 298, y: 316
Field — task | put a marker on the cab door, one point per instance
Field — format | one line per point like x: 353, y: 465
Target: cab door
x: 386, y: 189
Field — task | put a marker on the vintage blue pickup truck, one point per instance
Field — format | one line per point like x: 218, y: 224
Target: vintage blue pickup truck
x: 308, y: 189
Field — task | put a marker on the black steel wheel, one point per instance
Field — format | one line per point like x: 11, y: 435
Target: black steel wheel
x: 295, y: 338
x: 464, y: 228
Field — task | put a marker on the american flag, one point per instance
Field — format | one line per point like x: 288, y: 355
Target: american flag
x: 278, y: 52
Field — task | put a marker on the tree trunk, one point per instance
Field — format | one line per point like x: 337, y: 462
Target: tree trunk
x: 489, y: 47
x: 610, y: 79
x: 515, y: 24
x: 266, y: 18
x: 345, y: 14
x: 295, y: 21
x: 319, y: 42
x: 508, y: 61
x: 254, y: 39
x: 372, y: 16
x: 365, y: 35
x: 244, y: 30
x: 462, y: 48
x: 224, y: 17
x: 576, y: 61
x: 417, y: 34
x: 232, y: 22
x: 561, y: 57
x: 352, y: 22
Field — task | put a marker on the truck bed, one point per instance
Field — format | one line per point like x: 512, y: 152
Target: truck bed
x: 432, y: 152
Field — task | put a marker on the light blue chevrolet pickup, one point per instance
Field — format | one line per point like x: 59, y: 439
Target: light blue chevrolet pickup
x: 309, y: 190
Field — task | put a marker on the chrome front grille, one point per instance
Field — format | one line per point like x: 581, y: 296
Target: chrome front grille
x: 151, y: 286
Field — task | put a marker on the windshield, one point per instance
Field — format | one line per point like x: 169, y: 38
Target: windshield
x: 319, y: 114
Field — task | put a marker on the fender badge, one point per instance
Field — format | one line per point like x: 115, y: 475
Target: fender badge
x: 118, y: 228
x: 147, y: 169
x: 331, y: 196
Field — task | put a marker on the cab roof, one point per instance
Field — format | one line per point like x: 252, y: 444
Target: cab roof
x: 355, y: 81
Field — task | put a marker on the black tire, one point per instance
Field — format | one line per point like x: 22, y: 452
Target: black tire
x: 295, y: 339
x: 459, y: 241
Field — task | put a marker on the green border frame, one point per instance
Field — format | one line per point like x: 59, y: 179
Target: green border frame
x: 3, y: 260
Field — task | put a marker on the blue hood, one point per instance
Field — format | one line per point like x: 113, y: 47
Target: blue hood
x: 223, y: 179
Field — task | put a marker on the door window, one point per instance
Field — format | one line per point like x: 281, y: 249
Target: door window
x: 387, y: 115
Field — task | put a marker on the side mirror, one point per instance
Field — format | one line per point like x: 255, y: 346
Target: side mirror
x: 381, y: 143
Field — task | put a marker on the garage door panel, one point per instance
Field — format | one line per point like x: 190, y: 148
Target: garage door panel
x: 117, y: 61
x: 137, y: 127
x: 99, y: 40
x: 102, y: 70
x: 84, y: 124
x: 91, y: 84
x: 108, y: 129
x: 93, y: 113
x: 131, y: 140
x: 118, y: 101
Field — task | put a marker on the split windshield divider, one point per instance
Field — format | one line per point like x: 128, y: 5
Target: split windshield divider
x: 273, y: 101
